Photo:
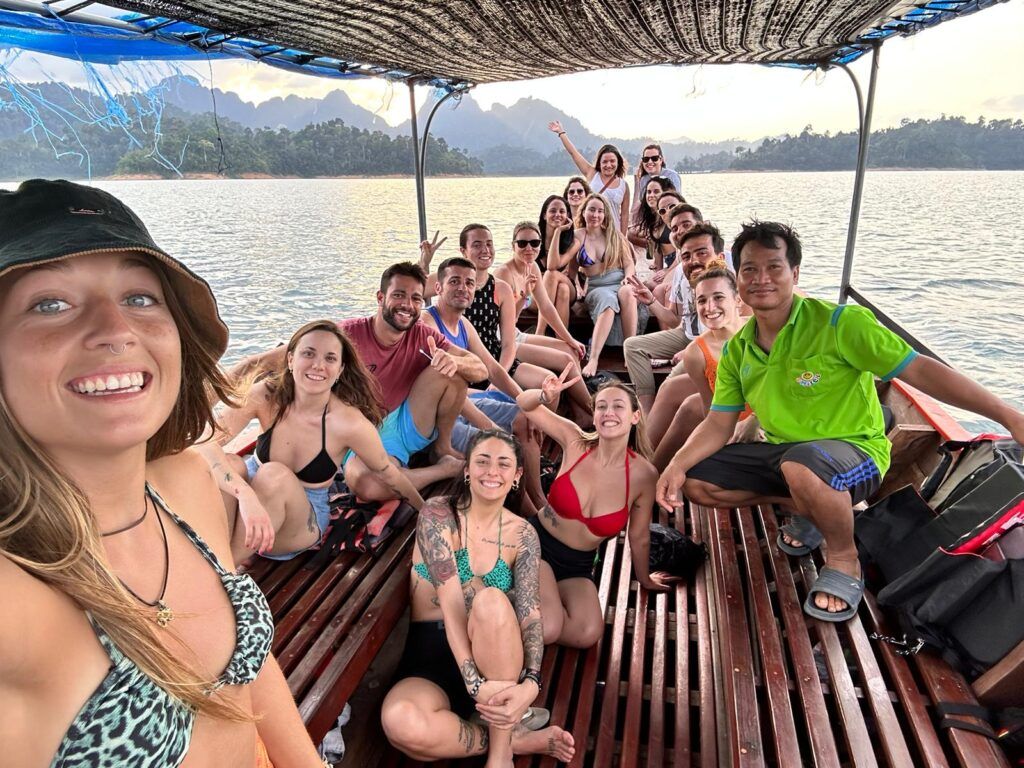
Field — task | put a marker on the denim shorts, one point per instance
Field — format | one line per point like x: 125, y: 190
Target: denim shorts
x: 318, y: 500
x: 497, y: 406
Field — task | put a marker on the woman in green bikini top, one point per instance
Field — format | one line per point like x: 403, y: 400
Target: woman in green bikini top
x: 475, y: 640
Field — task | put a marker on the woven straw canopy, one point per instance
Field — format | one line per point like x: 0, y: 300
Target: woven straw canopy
x: 452, y: 42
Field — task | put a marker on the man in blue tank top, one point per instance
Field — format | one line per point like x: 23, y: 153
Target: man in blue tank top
x: 489, y: 408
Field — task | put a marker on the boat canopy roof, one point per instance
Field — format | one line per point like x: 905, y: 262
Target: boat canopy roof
x: 454, y: 43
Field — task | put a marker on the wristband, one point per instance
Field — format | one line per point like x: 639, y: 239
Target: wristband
x: 475, y: 688
x: 530, y: 674
x: 561, y: 133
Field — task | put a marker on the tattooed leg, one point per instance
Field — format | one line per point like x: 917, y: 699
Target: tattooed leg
x: 417, y: 721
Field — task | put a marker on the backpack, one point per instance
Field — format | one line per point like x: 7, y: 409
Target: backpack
x: 953, y: 569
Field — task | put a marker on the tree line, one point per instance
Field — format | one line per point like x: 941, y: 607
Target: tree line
x: 197, y: 144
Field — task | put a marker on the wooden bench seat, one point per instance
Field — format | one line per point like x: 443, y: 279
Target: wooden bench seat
x: 331, y: 622
x: 728, y: 670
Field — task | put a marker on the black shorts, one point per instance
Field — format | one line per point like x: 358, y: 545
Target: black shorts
x: 565, y: 562
x: 427, y: 655
x: 755, y: 467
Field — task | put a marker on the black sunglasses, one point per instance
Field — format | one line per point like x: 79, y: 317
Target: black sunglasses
x: 524, y: 243
x: 652, y: 158
x: 577, y: 192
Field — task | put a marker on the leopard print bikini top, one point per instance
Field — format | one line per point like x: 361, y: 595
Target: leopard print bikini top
x: 129, y: 721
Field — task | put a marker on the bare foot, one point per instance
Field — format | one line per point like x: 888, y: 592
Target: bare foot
x: 441, y: 450
x: 452, y: 465
x: 552, y: 741
x: 590, y: 368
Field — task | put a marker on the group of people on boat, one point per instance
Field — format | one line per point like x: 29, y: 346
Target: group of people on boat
x: 111, y: 390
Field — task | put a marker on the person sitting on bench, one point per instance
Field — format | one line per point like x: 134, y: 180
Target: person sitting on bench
x: 807, y: 369
x: 421, y: 380
x: 606, y: 481
x: 313, y: 411
x: 475, y: 642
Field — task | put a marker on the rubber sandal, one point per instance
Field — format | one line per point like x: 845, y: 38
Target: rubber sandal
x: 802, y: 529
x: 837, y: 584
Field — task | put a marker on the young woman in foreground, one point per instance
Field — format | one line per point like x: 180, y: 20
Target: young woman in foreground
x: 606, y: 481
x: 127, y: 640
x: 475, y: 640
x: 313, y: 412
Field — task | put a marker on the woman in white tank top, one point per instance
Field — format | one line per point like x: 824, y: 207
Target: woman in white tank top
x: 606, y: 175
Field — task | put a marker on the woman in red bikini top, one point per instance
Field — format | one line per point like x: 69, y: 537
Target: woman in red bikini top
x: 606, y: 481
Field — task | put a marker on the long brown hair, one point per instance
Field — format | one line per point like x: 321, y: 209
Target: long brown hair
x: 638, y: 441
x: 615, y: 248
x: 355, y: 386
x: 48, y: 528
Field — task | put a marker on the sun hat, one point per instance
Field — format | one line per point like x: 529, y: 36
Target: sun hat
x: 44, y: 221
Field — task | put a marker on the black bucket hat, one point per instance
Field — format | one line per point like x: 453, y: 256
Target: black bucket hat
x: 44, y: 221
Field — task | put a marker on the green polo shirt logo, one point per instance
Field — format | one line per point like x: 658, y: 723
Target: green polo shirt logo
x: 817, y: 382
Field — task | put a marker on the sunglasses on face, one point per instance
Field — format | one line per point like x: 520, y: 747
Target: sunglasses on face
x: 524, y: 243
x: 575, y: 191
x: 665, y: 209
x: 652, y: 158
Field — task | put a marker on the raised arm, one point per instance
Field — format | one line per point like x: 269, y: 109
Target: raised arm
x: 561, y: 430
x: 555, y: 258
x: 581, y: 162
x: 365, y: 442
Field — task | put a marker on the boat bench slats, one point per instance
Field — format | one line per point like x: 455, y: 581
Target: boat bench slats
x: 869, y: 710
x: 331, y: 622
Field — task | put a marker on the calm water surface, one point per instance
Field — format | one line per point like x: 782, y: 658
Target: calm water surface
x: 938, y: 251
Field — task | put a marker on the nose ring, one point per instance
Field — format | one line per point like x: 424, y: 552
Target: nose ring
x: 117, y: 351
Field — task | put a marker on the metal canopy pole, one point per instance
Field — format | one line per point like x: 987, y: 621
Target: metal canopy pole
x: 430, y: 119
x: 865, y: 113
x: 421, y: 199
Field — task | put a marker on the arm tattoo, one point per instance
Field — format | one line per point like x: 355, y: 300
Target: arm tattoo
x: 471, y: 677
x: 549, y: 514
x: 527, y: 596
x: 434, y: 530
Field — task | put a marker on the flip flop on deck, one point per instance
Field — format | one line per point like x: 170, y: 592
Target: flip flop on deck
x: 803, y: 530
x: 836, y: 584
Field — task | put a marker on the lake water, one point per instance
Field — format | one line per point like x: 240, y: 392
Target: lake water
x: 939, y: 251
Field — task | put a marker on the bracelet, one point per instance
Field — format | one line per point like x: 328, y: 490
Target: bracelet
x: 530, y: 674
x: 475, y: 688
x: 561, y: 133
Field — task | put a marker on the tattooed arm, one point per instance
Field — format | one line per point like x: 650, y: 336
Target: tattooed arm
x: 507, y: 708
x: 436, y: 531
x: 365, y: 442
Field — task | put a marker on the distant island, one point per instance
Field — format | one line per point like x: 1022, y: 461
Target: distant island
x: 331, y: 137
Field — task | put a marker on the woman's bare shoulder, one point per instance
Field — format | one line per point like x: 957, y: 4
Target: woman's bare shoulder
x: 28, y: 603
x: 184, y: 482
x: 642, y: 470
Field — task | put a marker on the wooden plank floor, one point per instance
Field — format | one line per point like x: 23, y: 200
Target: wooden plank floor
x: 728, y: 670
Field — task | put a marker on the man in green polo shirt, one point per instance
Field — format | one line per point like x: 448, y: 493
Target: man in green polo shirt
x: 806, y: 367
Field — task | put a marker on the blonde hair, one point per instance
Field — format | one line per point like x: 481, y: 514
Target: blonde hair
x: 616, y: 251
x: 48, y: 528
x: 638, y: 441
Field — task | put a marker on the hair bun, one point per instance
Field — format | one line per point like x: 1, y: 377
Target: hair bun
x: 716, y: 263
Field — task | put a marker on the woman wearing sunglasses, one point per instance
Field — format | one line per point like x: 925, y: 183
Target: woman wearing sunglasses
x: 606, y: 175
x: 652, y: 163
x: 575, y: 195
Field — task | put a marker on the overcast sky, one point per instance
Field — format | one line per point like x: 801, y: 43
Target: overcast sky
x: 971, y: 66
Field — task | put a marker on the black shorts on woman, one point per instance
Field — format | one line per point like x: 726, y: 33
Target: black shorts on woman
x: 565, y: 561
x: 756, y: 467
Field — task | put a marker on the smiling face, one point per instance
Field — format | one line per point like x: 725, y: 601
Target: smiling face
x: 458, y: 287
x: 608, y: 164
x: 765, y: 277
x: 316, y: 362
x: 479, y: 248
x: 652, y: 161
x: 665, y: 204
x: 60, y: 326
x: 526, y: 244
x: 695, y: 254
x: 400, y: 306
x: 593, y: 213
x: 492, y: 469
x: 576, y: 194
x: 718, y: 305
x: 652, y: 193
x: 614, y: 415
x: 556, y: 214
x: 680, y: 224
